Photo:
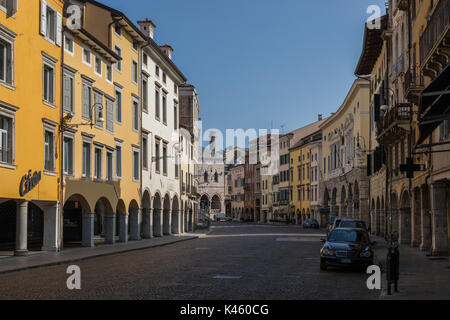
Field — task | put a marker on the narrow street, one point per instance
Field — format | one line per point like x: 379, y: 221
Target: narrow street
x: 234, y: 261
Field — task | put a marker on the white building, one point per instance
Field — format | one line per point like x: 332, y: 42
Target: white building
x: 161, y: 214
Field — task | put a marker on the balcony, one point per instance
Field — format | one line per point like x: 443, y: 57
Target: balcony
x: 395, y: 123
x: 435, y: 41
x: 414, y: 84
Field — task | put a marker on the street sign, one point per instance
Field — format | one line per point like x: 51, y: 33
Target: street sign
x: 410, y: 168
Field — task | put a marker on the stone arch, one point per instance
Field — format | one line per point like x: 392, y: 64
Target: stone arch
x: 343, y: 202
x: 216, y: 204
x: 157, y: 223
x: 205, y: 204
x: 405, y: 223
x: 134, y: 220
x: 166, y: 215
x: 175, y: 226
x: 75, y: 207
x: 146, y: 224
x: 326, y: 198
x: 102, y: 208
x: 121, y: 221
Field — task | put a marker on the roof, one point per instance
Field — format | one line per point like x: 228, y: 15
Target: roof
x: 305, y: 131
x: 372, y: 45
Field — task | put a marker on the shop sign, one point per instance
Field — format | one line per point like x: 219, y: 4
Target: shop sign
x: 29, y: 182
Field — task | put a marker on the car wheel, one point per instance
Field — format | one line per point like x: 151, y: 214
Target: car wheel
x: 323, y: 266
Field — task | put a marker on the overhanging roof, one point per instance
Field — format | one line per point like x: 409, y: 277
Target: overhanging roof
x: 372, y: 45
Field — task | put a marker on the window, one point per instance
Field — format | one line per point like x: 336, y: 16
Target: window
x: 69, y: 44
x: 87, y: 101
x: 109, y: 73
x: 444, y: 130
x: 6, y: 139
x: 49, y: 154
x: 86, y: 160
x: 157, y: 71
x: 175, y: 88
x: 157, y: 112
x: 157, y: 155
x: 109, y: 166
x: 164, y: 109
x: 165, y: 159
x: 68, y: 89
x: 145, y: 152
x: 145, y: 95
x: 109, y: 115
x: 136, y: 165
x: 49, y: 84
x: 87, y: 56
x: 98, y: 65
x: 6, y: 61
x: 98, y: 100
x: 175, y: 116
x: 145, y: 59
x: 135, y: 45
x: 134, y: 72
x: 118, y: 64
x: 164, y: 77
x: 51, y: 24
x: 98, y: 164
x: 118, y: 30
x: 118, y: 161
x: 118, y: 106
x: 68, y: 156
x: 135, y: 115
x: 9, y: 6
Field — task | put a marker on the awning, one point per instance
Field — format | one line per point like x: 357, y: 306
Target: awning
x: 434, y: 104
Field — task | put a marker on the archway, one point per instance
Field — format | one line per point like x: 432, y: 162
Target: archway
x: 166, y: 216
x: 343, y: 202
x: 157, y: 223
x: 104, y: 220
x: 73, y: 211
x: 121, y: 221
x: 135, y: 220
x: 205, y: 205
x: 175, y: 216
x: 216, y: 206
x: 146, y: 225
x: 405, y: 219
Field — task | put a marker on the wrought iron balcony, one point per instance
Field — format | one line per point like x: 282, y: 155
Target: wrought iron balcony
x: 394, y: 123
x: 434, y: 41
x: 414, y: 84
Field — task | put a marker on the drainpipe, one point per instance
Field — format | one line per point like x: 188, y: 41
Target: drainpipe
x: 61, y: 146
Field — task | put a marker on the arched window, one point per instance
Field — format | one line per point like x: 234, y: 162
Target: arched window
x: 205, y: 176
x: 216, y: 177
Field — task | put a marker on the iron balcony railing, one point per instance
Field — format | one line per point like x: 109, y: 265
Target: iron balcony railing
x: 439, y: 22
x: 401, y: 112
x: 413, y: 79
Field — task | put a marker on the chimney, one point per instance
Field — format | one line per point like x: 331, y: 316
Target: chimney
x: 147, y: 27
x: 320, y: 117
x: 167, y: 50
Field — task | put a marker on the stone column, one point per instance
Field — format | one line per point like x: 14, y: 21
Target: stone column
x: 176, y: 223
x: 135, y: 225
x: 439, y: 218
x: 425, y: 219
x: 147, y: 224
x: 110, y: 228
x: 167, y: 222
x: 21, y: 229
x: 51, y: 241
x: 123, y: 227
x: 405, y: 226
x: 88, y: 230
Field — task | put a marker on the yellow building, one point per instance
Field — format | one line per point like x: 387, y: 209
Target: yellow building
x: 344, y: 149
x: 102, y: 115
x: 300, y: 180
x: 30, y: 47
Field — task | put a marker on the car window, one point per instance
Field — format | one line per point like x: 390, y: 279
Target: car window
x: 348, y: 236
x: 352, y: 224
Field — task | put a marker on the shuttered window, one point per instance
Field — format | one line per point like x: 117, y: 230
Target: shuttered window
x: 135, y: 115
x: 87, y: 101
x: 6, y: 64
x: 51, y: 23
x: 68, y: 93
x: 98, y: 100
x: 109, y: 115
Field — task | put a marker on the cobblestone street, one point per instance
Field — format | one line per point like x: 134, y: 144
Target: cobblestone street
x: 234, y: 261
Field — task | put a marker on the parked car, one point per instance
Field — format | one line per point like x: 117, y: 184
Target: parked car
x: 351, y: 223
x: 334, y: 223
x: 223, y: 217
x: 347, y: 247
x: 311, y: 224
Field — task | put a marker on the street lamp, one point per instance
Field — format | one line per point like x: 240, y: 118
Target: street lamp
x: 65, y: 123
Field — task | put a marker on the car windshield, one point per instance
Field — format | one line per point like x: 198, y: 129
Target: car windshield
x: 348, y: 236
x: 352, y: 224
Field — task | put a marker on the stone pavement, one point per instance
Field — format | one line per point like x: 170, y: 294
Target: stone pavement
x: 44, y: 259
x: 421, y: 276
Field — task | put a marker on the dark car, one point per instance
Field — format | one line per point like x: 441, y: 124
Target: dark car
x: 347, y: 247
x: 311, y: 224
x: 351, y: 223
x: 334, y: 223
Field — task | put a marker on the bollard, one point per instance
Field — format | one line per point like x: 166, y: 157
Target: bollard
x: 392, y: 266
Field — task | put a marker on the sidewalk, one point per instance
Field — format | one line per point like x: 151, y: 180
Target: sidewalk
x: 45, y: 259
x: 421, y: 276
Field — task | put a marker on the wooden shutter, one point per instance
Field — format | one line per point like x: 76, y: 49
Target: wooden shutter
x: 109, y: 116
x: 58, y: 29
x: 86, y: 102
x: 67, y: 92
x: 43, y: 17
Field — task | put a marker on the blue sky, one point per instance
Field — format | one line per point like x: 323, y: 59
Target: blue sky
x: 258, y: 63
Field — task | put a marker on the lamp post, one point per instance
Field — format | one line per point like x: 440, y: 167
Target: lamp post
x: 65, y: 121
